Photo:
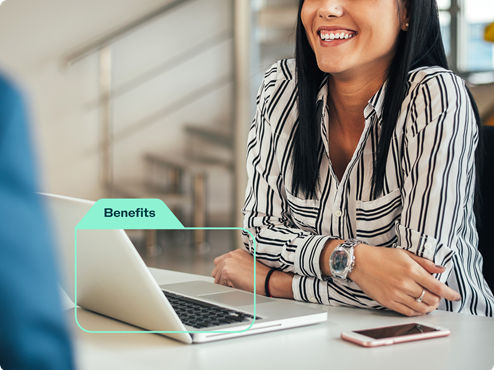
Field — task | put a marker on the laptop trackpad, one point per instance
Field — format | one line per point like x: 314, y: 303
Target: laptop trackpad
x: 235, y: 298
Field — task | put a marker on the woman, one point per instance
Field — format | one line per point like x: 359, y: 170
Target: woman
x: 362, y: 167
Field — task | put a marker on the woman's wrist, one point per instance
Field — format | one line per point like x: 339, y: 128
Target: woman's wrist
x: 331, y: 244
x: 280, y: 284
x: 359, y: 254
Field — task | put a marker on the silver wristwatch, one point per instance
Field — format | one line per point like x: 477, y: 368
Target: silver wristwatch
x: 342, y: 259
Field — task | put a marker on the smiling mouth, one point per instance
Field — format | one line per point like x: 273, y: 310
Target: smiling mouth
x: 333, y: 36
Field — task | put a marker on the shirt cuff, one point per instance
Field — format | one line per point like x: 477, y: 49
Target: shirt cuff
x: 307, y: 255
x: 309, y: 289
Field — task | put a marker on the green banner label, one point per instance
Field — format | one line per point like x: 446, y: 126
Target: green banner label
x: 130, y: 214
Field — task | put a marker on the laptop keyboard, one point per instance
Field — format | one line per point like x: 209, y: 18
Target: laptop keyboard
x: 204, y: 315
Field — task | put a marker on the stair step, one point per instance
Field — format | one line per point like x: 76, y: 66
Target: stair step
x: 218, y: 136
x: 132, y: 189
x: 192, y: 165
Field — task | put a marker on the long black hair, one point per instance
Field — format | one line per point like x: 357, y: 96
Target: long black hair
x: 420, y: 46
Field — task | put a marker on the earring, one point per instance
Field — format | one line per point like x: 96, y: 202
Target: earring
x: 406, y: 24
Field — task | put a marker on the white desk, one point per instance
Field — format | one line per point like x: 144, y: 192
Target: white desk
x: 470, y: 345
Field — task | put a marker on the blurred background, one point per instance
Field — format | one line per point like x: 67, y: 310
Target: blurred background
x: 154, y: 98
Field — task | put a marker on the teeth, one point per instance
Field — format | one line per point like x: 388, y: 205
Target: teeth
x: 336, y: 36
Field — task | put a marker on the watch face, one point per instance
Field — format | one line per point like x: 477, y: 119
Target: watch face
x: 340, y: 260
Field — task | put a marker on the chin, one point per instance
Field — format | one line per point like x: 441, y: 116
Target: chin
x: 331, y: 68
x: 330, y: 65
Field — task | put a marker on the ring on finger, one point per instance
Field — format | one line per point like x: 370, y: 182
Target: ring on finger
x: 419, y: 299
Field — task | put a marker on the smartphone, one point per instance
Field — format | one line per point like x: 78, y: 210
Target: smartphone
x: 394, y: 334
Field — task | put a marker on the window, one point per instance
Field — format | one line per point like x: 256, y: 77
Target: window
x: 462, y: 26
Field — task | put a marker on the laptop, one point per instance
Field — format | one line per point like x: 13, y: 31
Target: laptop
x: 113, y: 280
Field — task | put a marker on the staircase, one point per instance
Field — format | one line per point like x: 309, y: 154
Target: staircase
x: 180, y: 180
x: 134, y: 160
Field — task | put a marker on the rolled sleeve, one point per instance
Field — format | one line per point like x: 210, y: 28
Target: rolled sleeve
x: 331, y: 292
x: 427, y: 247
x: 438, y: 165
x: 307, y: 255
x: 417, y: 243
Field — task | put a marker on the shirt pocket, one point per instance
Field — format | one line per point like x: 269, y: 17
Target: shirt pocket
x: 304, y: 212
x: 376, y: 219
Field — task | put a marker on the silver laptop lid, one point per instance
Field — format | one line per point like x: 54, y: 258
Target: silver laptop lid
x: 112, y: 279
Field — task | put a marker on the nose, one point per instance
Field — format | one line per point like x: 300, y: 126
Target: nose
x: 330, y: 9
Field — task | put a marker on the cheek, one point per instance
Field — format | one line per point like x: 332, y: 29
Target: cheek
x: 383, y: 31
x: 382, y: 39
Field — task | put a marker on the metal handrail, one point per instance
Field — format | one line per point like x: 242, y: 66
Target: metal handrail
x: 164, y: 112
x: 176, y: 61
x: 95, y: 46
x: 173, y: 107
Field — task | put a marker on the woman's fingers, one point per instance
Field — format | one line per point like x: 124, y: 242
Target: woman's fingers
x: 214, y: 273
x: 429, y: 266
x: 404, y: 309
x: 408, y: 305
x: 429, y: 299
x: 428, y: 303
x: 219, y: 262
x: 218, y: 259
x: 436, y: 287
x: 432, y: 284
x: 396, y: 278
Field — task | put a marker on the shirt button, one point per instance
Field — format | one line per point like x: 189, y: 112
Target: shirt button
x: 337, y: 213
x: 313, y: 299
x: 427, y: 245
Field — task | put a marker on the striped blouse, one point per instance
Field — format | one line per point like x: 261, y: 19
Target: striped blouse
x: 426, y: 206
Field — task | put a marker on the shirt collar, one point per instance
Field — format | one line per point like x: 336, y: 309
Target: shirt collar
x: 323, y: 90
x: 375, y: 103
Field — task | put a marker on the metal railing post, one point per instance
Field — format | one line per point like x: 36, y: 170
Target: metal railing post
x: 106, y: 150
x: 243, y: 19
x: 456, y: 27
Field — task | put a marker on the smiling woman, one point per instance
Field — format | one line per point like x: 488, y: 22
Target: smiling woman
x: 372, y: 26
x: 362, y: 161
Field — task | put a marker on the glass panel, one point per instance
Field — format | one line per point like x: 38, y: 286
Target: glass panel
x: 478, y: 54
x: 443, y: 4
x: 479, y: 11
x: 445, y: 19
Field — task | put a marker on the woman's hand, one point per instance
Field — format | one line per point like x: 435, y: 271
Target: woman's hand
x: 236, y: 269
x: 395, y: 278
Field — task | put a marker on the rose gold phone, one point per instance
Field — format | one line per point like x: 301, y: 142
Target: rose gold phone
x: 394, y: 334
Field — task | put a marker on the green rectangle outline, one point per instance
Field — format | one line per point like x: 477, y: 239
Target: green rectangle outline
x: 167, y: 332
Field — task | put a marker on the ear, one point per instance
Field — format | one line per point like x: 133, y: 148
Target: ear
x: 404, y: 14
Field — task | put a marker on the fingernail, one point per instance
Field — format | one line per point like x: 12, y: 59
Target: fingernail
x: 440, y: 266
x: 458, y: 299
